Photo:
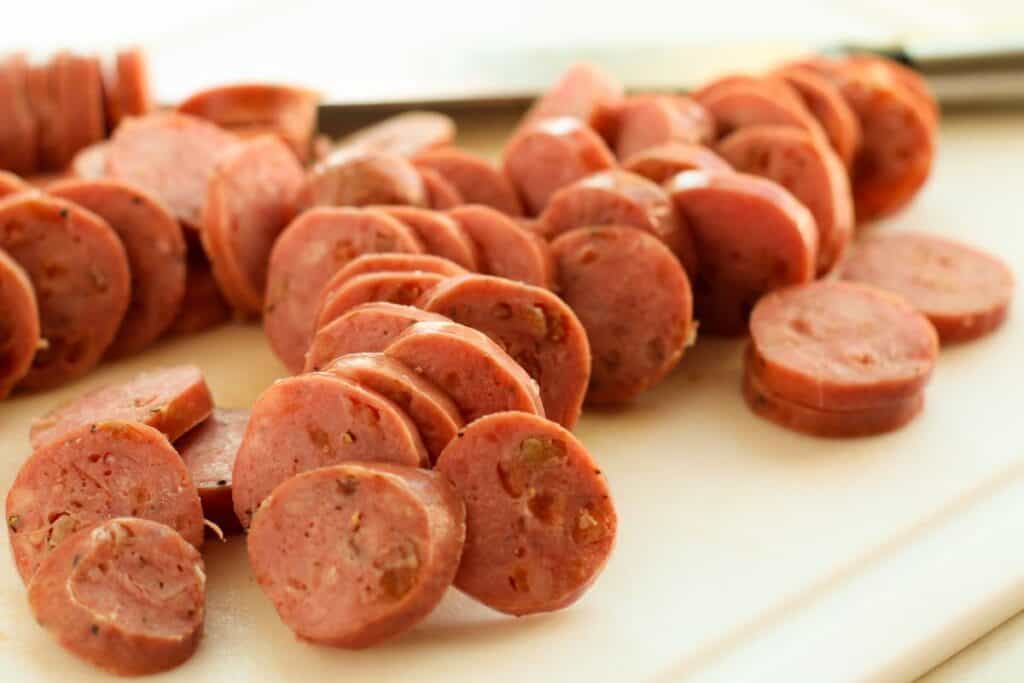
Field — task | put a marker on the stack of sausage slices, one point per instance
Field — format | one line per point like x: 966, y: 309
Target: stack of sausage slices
x: 444, y: 320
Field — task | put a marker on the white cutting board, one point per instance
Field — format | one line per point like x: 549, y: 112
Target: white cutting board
x: 745, y: 552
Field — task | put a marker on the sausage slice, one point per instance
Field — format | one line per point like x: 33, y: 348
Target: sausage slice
x: 503, y: 247
x: 19, y: 325
x: 550, y: 154
x: 396, y: 287
x: 650, y: 120
x: 898, y: 147
x: 617, y: 197
x: 305, y: 256
x: 540, y: 522
x: 285, y: 110
x: 316, y: 420
x: 79, y: 270
x: 363, y: 329
x: 209, y: 451
x: 633, y: 299
x: 353, y: 554
x: 252, y: 194
x: 80, y: 99
x: 750, y: 102
x: 533, y: 326
x: 435, y: 415
x: 172, y: 400
x: 171, y: 155
x: 752, y: 236
x: 393, y: 278
x: 155, y: 248
x: 473, y: 370
x: 126, y: 86
x: 94, y: 473
x: 809, y: 169
x: 582, y: 92
x: 441, y: 194
x: 126, y: 595
x: 41, y: 89
x: 356, y: 178
x: 664, y: 161
x: 826, y: 103
x: 18, y: 128
x: 963, y: 291
x: 441, y: 236
x: 406, y: 134
x: 834, y: 345
x: 475, y: 179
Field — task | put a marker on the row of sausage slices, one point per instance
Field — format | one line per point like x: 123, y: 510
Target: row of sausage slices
x: 51, y: 110
x: 366, y: 488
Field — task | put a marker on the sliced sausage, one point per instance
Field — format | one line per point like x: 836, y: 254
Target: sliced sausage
x: 807, y: 167
x: 90, y: 162
x: 406, y: 134
x: 80, y: 99
x: 752, y: 236
x: 171, y: 155
x: 550, y: 154
x: 251, y: 195
x: 18, y: 128
x: 582, y: 92
x: 664, y: 161
x: 913, y: 82
x: 396, y: 287
x: 540, y: 521
x: 532, y: 325
x: 651, y: 120
x: 363, y: 329
x: 172, y: 400
x: 898, y: 147
x: 209, y: 452
x: 305, y: 256
x: 440, y: 235
x: 126, y: 86
x: 756, y: 102
x: 155, y: 248
x: 203, y: 306
x: 94, y: 473
x: 963, y: 291
x: 392, y: 288
x: 475, y: 179
x: 353, y: 554
x: 478, y: 375
x: 11, y: 183
x: 886, y: 417
x: 363, y: 179
x: 395, y: 262
x: 503, y: 247
x: 836, y: 345
x: 126, y: 595
x: 316, y: 420
x: 825, y: 102
x: 286, y: 110
x: 441, y: 194
x: 19, y: 325
x: 618, y: 197
x: 633, y: 299
x: 41, y: 89
x: 79, y: 270
x: 774, y: 87
x: 435, y: 415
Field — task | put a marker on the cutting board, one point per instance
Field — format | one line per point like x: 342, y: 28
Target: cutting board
x: 746, y: 552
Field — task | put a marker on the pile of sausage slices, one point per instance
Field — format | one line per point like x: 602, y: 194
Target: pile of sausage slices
x: 444, y: 319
